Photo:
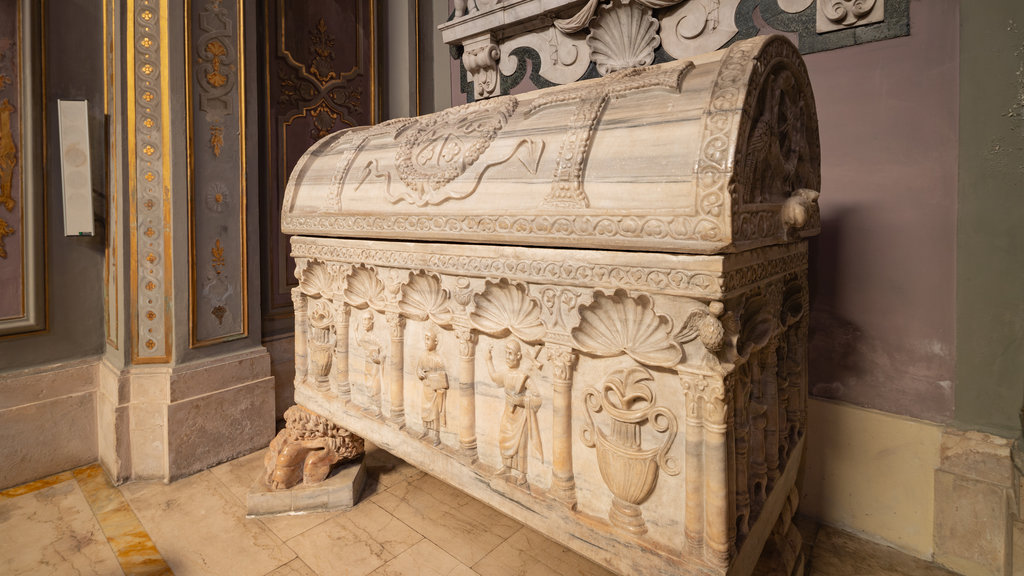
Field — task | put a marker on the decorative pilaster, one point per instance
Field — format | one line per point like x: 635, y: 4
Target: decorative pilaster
x: 342, y: 386
x: 396, y: 377
x: 771, y: 400
x: 301, y: 329
x: 717, y: 519
x: 692, y: 388
x: 563, y: 483
x: 467, y: 392
x: 149, y: 153
x: 180, y: 225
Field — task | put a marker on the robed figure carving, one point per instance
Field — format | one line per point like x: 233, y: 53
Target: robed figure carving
x: 372, y: 366
x: 519, y: 419
x: 430, y: 369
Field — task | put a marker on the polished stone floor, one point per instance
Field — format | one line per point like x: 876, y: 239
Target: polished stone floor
x: 408, y: 523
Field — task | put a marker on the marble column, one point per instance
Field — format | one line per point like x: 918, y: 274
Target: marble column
x: 396, y: 369
x: 563, y: 483
x: 342, y: 384
x: 771, y: 400
x: 467, y: 392
x: 716, y: 472
x: 694, y: 465
x: 301, y: 331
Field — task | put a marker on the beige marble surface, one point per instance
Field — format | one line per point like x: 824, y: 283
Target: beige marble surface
x: 413, y: 526
x: 53, y: 531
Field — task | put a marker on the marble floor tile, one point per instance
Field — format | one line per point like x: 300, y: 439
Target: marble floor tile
x: 288, y: 526
x: 458, y: 523
x: 388, y: 468
x: 30, y: 487
x: 355, y: 542
x: 135, y: 551
x: 529, y: 553
x: 53, y: 531
x: 240, y: 474
x: 422, y: 559
x: 294, y: 568
x: 200, y: 528
x: 838, y: 553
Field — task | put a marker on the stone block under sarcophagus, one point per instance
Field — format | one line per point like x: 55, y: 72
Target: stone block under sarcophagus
x: 585, y: 305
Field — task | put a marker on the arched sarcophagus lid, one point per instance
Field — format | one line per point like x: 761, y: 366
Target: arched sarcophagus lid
x: 717, y: 154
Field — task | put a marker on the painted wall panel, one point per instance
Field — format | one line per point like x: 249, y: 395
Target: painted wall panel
x: 319, y: 76
x: 218, y: 299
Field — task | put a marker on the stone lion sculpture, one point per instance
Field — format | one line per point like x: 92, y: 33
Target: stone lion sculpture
x: 307, y: 449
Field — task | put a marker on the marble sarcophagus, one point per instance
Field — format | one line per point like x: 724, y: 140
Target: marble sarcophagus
x: 585, y: 305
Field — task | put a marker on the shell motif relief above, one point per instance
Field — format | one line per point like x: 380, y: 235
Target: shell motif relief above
x: 365, y: 289
x: 506, y: 307
x: 625, y: 36
x: 435, y: 150
x: 423, y: 298
x: 620, y: 324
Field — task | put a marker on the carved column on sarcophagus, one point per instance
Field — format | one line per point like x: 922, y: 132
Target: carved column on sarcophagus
x: 694, y: 463
x: 301, y: 327
x: 563, y: 482
x: 717, y: 512
x: 741, y: 430
x: 782, y: 381
x: 467, y: 391
x: 396, y: 368
x: 758, y: 478
x: 770, y: 383
x: 342, y: 385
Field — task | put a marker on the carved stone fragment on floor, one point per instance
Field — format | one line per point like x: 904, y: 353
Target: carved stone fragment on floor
x: 307, y: 449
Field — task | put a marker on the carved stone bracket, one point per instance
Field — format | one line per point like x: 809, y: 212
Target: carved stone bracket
x: 480, y: 57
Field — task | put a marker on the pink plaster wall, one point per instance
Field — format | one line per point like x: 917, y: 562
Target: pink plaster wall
x: 883, y: 270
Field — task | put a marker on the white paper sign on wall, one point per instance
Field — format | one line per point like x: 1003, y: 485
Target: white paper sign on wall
x: 75, y: 167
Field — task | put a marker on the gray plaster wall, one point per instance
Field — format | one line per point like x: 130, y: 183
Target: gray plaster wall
x: 74, y: 266
x: 990, y: 235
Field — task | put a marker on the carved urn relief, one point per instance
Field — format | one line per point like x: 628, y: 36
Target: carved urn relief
x: 629, y: 470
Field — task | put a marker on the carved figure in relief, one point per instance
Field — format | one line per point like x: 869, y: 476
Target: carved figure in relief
x: 307, y: 449
x: 373, y: 379
x: 431, y: 371
x: 519, y: 420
